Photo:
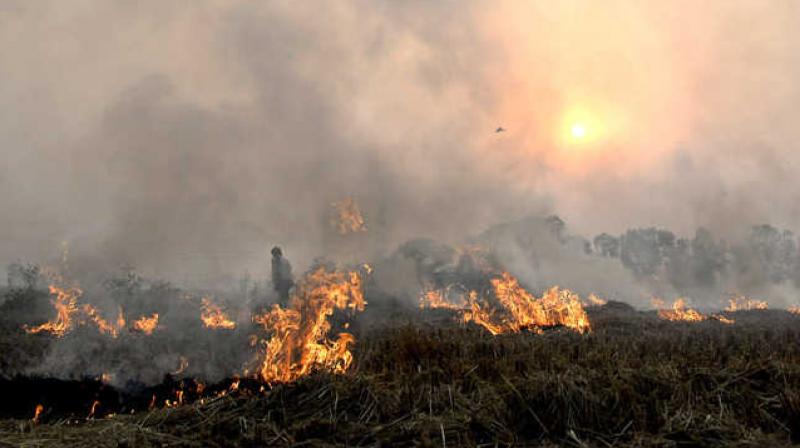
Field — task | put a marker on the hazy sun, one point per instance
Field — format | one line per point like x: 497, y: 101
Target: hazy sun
x: 578, y: 131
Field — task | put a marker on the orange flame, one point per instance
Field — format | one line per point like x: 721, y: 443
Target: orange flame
x: 794, y: 309
x: 680, y: 312
x: 593, y: 300
x: 742, y: 303
x: 93, y: 409
x: 146, y: 325
x: 37, y: 413
x: 103, y: 325
x: 299, y: 343
x: 434, y: 299
x: 213, y: 316
x: 234, y: 385
x: 482, y: 317
x: 346, y: 217
x: 723, y: 319
x: 66, y: 305
x: 519, y: 309
x: 556, y: 307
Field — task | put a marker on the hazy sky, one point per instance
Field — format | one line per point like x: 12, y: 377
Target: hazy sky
x: 190, y: 136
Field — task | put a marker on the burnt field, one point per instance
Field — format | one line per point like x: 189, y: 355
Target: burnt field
x: 420, y: 377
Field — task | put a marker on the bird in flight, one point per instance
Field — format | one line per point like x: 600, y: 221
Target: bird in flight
x: 499, y: 130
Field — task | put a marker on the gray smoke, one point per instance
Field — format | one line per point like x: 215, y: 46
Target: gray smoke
x: 186, y: 139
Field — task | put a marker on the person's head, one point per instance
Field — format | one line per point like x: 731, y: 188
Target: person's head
x: 277, y: 252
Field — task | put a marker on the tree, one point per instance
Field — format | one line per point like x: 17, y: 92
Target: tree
x: 606, y: 245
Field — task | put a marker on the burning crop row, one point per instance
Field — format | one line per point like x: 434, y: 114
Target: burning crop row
x: 510, y: 308
x: 213, y: 316
x: 68, y: 314
x: 296, y: 339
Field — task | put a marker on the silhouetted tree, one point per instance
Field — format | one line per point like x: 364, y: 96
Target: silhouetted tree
x: 606, y: 245
x: 643, y: 250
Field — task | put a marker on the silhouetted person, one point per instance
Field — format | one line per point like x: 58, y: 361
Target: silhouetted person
x: 282, y: 280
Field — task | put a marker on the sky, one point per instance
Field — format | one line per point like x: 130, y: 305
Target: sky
x: 185, y: 138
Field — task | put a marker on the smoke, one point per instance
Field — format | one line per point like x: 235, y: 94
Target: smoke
x: 188, y: 138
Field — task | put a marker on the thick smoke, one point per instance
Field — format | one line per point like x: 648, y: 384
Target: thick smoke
x: 187, y: 138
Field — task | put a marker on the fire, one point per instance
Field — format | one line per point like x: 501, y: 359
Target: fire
x: 742, y: 303
x: 66, y: 305
x: 176, y: 402
x: 346, y: 217
x: 724, y: 320
x: 794, y: 309
x: 480, y: 316
x: 213, y: 316
x: 68, y: 313
x: 300, y: 343
x: 434, y: 298
x: 680, y: 312
x: 556, y: 307
x: 593, y: 300
x: 518, y: 309
x: 146, y: 325
x: 93, y: 409
x: 103, y: 325
x: 37, y: 413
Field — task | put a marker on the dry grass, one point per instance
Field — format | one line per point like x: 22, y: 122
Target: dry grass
x: 634, y: 381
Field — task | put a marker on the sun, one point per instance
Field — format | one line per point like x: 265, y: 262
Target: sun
x: 578, y: 131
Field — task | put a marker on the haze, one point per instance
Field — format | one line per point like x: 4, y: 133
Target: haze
x: 186, y: 138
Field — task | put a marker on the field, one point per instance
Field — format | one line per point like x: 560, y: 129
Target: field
x: 421, y: 379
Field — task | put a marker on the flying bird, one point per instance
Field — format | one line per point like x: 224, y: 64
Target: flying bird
x: 499, y: 130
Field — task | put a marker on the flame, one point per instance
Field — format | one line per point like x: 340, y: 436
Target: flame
x: 794, y: 309
x: 213, y: 316
x: 37, y: 413
x: 724, y: 320
x: 434, y: 298
x: 66, y: 305
x: 482, y: 317
x: 103, y: 325
x: 346, y: 217
x: 593, y: 300
x: 299, y: 341
x: 518, y: 309
x: 743, y: 303
x: 67, y: 313
x: 679, y: 312
x: 146, y: 325
x: 556, y: 307
x: 120, y: 319
x: 93, y: 409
